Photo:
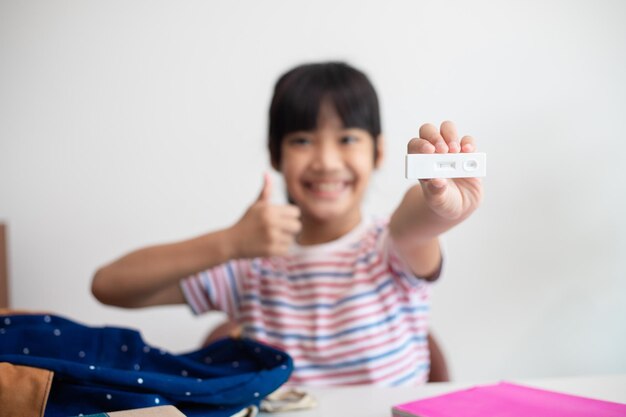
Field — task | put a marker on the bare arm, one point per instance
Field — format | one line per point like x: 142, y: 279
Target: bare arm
x: 434, y: 206
x: 151, y: 276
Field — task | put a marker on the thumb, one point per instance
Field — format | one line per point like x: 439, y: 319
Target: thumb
x: 435, y: 186
x: 266, y: 191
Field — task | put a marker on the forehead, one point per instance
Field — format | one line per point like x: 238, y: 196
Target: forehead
x: 328, y: 117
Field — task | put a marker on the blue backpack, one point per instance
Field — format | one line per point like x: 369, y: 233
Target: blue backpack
x: 110, y: 369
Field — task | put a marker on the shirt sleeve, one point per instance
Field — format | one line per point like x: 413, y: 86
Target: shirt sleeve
x: 218, y: 288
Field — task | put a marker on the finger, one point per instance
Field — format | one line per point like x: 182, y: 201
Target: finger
x: 468, y: 144
x: 291, y: 227
x: 288, y: 211
x: 434, y: 186
x: 418, y: 145
x: 430, y: 133
x: 450, y: 136
x: 282, y: 248
x: 266, y: 191
x: 284, y: 242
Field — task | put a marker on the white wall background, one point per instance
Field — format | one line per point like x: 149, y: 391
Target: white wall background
x: 128, y: 123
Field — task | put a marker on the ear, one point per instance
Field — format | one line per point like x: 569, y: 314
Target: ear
x: 380, y: 151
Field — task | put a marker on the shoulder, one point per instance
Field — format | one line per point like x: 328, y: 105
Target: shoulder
x: 369, y: 234
x: 377, y: 229
x: 369, y: 237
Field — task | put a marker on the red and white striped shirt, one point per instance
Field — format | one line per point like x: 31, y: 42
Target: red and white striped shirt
x: 348, y: 311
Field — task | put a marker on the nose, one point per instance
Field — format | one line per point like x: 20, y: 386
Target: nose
x: 327, y: 157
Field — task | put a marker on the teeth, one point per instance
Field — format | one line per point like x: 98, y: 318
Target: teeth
x: 328, y: 186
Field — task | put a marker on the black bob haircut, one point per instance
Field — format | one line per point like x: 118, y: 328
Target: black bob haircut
x: 299, y: 93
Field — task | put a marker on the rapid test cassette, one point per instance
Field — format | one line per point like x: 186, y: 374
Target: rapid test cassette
x: 420, y: 166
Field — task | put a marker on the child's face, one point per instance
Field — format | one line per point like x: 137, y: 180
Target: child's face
x: 327, y: 170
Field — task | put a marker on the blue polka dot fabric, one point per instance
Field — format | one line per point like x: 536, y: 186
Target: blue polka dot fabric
x: 100, y: 369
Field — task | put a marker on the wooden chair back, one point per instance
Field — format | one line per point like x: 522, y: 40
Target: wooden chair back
x: 4, y: 268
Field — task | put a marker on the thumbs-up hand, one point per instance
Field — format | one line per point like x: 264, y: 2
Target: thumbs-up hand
x: 266, y: 229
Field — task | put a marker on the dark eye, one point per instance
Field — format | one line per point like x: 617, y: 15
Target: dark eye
x: 347, y: 139
x: 298, y: 141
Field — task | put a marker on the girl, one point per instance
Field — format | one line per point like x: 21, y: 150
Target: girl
x: 347, y: 297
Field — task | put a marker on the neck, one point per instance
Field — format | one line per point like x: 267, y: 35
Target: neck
x: 315, y: 231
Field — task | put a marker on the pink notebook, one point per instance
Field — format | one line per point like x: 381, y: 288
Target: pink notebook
x: 508, y: 400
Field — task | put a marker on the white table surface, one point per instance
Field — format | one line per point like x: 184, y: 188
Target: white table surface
x: 371, y: 401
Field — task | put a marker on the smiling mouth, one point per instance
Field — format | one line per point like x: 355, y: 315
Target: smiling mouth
x: 327, y: 188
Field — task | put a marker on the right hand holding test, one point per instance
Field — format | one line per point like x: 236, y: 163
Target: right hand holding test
x: 266, y: 229
x: 450, y: 198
